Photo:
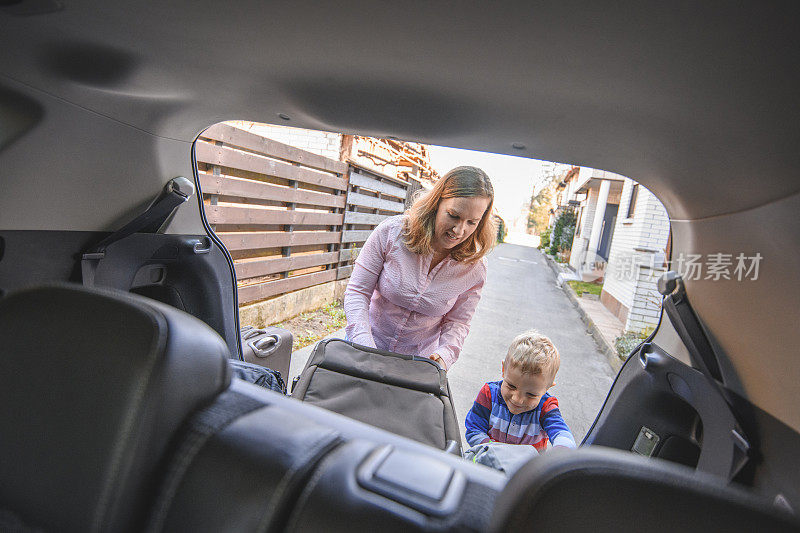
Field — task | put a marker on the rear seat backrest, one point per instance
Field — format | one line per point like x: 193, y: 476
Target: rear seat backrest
x: 290, y: 466
x: 605, y: 490
x: 248, y: 476
x: 93, y: 386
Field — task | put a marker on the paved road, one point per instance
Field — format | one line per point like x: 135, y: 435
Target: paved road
x: 520, y: 294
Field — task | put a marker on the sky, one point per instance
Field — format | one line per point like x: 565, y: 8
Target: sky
x: 512, y: 177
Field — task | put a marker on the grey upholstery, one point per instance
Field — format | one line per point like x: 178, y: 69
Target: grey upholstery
x: 604, y: 490
x: 291, y: 466
x: 94, y: 385
x: 248, y: 476
x: 337, y: 499
x: 406, y: 395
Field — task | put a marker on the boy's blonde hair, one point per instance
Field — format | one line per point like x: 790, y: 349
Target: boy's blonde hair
x: 533, y: 353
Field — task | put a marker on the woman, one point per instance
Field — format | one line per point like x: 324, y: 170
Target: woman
x: 418, y: 278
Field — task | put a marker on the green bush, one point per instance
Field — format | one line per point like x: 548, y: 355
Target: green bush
x: 567, y: 234
x: 629, y: 340
x: 544, y: 240
x: 563, y: 232
x: 502, y: 231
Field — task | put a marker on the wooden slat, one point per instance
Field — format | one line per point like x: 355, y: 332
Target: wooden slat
x: 351, y: 217
x: 229, y: 186
x: 343, y: 272
x: 263, y: 267
x: 367, y: 182
x: 256, y: 240
x: 355, y: 235
x: 362, y: 200
x: 228, y: 157
x: 347, y: 254
x: 372, y: 172
x: 260, y: 291
x: 257, y: 143
x: 222, y: 214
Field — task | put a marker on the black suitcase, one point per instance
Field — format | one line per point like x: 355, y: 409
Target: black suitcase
x: 407, y: 395
x: 269, y: 347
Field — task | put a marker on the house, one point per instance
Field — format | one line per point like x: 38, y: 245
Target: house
x: 637, y: 258
x: 599, y: 192
x: 621, y: 237
x: 564, y: 189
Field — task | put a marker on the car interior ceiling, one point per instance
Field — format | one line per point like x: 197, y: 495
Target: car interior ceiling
x: 695, y: 102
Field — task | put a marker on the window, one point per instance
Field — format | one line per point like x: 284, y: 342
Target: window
x: 632, y: 203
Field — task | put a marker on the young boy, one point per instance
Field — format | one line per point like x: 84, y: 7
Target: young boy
x: 518, y: 409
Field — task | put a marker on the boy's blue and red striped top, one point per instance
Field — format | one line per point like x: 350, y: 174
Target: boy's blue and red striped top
x: 490, y: 420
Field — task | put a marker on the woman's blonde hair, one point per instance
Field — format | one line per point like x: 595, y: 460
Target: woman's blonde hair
x: 461, y: 182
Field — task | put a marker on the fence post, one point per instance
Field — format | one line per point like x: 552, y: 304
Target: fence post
x: 286, y: 251
x: 337, y: 247
x: 213, y: 199
x: 347, y: 207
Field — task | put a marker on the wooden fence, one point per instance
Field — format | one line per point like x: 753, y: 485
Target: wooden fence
x: 371, y: 197
x: 290, y: 218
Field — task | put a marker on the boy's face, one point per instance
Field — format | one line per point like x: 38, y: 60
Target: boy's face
x: 522, y: 392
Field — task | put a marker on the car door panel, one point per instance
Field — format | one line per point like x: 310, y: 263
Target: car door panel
x: 189, y: 272
x: 655, y: 392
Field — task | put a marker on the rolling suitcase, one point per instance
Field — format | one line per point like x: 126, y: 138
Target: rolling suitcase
x: 407, y: 395
x: 269, y: 347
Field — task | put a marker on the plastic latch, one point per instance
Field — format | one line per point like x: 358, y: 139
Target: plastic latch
x: 646, y: 442
x: 669, y: 282
x: 416, y: 480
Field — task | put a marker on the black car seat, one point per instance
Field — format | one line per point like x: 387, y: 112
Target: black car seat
x: 118, y: 414
x: 602, y: 490
x: 94, y: 385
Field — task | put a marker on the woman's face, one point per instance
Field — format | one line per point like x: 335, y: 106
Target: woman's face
x: 456, y: 220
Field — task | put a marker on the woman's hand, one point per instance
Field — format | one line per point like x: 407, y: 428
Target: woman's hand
x: 435, y: 357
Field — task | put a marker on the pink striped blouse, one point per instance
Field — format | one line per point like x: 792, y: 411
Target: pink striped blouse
x: 393, y: 303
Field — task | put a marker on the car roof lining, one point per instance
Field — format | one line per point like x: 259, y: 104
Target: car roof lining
x: 679, y: 97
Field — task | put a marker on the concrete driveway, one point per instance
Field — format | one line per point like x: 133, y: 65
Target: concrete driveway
x: 521, y: 294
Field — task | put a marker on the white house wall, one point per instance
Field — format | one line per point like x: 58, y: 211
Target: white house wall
x: 638, y: 243
x: 588, y: 207
x: 581, y: 241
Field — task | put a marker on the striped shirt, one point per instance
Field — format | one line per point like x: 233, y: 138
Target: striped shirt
x: 394, y: 303
x: 489, y: 420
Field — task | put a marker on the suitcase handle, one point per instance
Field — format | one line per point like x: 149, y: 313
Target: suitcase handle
x: 264, y: 347
x: 248, y: 332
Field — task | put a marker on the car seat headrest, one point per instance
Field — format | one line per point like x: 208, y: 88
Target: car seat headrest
x: 605, y: 490
x: 93, y: 386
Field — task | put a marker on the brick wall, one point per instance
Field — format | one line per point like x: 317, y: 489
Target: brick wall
x: 319, y: 142
x: 636, y: 257
x: 646, y: 300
